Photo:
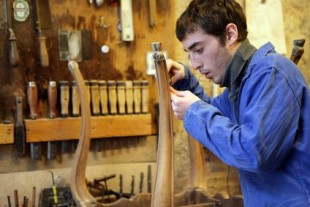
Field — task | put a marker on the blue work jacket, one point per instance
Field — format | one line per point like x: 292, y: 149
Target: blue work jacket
x: 266, y: 137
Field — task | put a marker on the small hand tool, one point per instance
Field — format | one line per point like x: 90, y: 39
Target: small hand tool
x: 20, y: 134
x: 13, y: 51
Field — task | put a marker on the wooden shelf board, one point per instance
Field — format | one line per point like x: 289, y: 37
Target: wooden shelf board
x: 6, y: 133
x: 58, y: 129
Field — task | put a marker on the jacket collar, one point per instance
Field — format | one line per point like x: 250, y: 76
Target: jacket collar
x: 237, y: 68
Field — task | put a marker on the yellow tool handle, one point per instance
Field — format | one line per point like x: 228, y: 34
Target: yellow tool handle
x: 55, y: 194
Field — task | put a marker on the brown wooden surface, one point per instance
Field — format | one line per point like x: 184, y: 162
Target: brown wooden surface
x: 163, y: 194
x: 101, y: 126
x: 125, y: 60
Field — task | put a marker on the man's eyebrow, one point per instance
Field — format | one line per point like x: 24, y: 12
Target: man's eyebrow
x: 192, y: 46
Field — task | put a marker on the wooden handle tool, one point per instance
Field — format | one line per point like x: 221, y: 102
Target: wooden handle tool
x: 52, y: 98
x: 64, y: 98
x: 13, y: 51
x: 121, y: 96
x: 129, y: 97
x: 20, y: 134
x: 75, y: 100
x: 103, y: 97
x: 145, y: 96
x: 95, y: 98
x: 137, y: 96
x: 32, y: 95
x: 112, y: 96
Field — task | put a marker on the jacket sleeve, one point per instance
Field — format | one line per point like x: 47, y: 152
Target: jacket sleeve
x: 191, y: 83
x: 266, y: 130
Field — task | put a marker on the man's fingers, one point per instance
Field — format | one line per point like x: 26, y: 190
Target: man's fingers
x: 176, y: 92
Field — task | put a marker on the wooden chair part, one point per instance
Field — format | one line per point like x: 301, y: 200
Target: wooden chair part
x: 163, y: 194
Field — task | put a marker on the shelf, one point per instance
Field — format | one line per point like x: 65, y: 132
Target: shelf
x: 6, y: 133
x: 59, y: 129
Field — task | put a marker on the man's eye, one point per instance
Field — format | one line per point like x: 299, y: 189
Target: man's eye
x: 199, y: 50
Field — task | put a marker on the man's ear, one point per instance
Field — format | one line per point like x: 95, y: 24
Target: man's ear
x: 231, y: 33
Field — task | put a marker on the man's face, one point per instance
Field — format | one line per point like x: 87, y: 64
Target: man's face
x: 207, y: 55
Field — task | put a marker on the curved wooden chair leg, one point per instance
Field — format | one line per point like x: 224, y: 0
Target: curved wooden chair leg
x: 163, y: 194
x: 197, y: 159
x: 79, y: 188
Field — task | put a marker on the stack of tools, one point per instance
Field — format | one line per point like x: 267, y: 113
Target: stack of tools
x: 105, y: 98
x: 100, y: 190
x: 24, y: 202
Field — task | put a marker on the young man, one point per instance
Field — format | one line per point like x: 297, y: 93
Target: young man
x: 261, y: 123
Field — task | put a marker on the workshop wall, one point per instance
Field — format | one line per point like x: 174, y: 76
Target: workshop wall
x: 124, y: 61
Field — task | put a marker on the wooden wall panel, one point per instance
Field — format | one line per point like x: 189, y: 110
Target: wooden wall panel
x: 125, y: 61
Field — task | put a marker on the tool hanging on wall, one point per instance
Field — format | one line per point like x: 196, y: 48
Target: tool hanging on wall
x: 20, y: 135
x: 152, y: 12
x: 9, y: 201
x: 126, y: 24
x: 16, y: 198
x: 13, y: 51
x: 32, y: 96
x: 44, y: 59
x: 52, y: 104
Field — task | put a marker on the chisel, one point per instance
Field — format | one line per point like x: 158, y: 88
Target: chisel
x: 9, y: 201
x: 137, y: 96
x: 32, y: 96
x: 149, y: 179
x: 52, y: 98
x: 129, y: 97
x: 145, y: 96
x: 126, y: 20
x: 20, y: 135
x: 152, y: 12
x: 16, y: 198
x: 95, y: 97
x: 33, y: 196
x: 132, y: 192
x: 64, y: 98
x: 64, y: 107
x: 41, y: 38
x: 141, y: 182
x: 75, y: 100
x: 111, y: 84
x: 121, y: 96
x: 103, y: 96
x: 52, y: 103
x: 13, y: 52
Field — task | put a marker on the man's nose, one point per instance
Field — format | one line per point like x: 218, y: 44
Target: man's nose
x: 195, y: 65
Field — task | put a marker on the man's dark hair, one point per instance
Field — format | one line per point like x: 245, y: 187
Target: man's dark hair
x: 212, y: 16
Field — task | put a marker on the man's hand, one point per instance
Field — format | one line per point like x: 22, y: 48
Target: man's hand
x: 175, y: 70
x: 180, y: 101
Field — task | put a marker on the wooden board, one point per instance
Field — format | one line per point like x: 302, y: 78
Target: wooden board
x: 6, y: 133
x: 102, y: 126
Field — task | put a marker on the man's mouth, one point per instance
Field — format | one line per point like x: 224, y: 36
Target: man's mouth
x: 208, y: 75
